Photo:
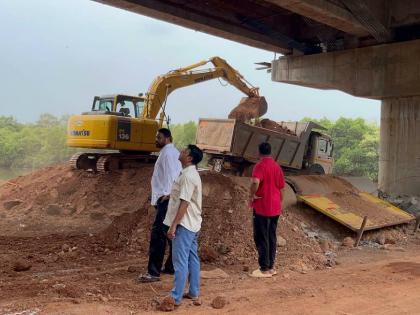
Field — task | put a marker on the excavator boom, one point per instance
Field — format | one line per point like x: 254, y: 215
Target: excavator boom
x: 162, y: 86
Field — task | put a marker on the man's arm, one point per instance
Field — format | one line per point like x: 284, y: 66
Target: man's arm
x: 255, y: 183
x: 183, y: 206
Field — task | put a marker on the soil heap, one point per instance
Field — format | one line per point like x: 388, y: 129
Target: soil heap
x: 114, y: 210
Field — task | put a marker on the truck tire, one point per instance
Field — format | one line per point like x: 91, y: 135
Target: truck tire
x: 316, y: 169
x: 218, y: 165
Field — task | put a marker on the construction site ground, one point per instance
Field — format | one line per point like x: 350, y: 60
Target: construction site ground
x: 74, y: 243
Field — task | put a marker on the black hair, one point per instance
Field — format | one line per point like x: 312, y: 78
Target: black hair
x: 264, y: 148
x: 166, y: 133
x: 195, y: 153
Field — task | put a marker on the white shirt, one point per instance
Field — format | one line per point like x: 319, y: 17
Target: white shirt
x: 186, y: 187
x: 167, y: 169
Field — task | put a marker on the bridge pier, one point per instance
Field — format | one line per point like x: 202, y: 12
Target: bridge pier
x: 388, y: 72
x: 399, y: 156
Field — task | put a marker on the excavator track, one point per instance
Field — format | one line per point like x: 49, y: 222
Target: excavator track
x: 103, y: 163
x: 107, y: 163
x: 82, y: 161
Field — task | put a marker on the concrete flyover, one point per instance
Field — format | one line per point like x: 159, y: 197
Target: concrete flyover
x: 367, y: 48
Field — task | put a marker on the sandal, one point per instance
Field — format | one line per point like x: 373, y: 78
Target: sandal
x: 259, y: 274
x: 195, y: 299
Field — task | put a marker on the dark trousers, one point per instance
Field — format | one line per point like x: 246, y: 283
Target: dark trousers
x: 265, y: 238
x: 158, y: 241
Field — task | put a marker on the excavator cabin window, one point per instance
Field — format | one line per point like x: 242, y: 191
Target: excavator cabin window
x: 101, y: 104
x: 129, y: 106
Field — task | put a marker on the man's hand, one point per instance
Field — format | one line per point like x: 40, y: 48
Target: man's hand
x: 171, y: 232
x: 164, y: 198
x: 252, y: 198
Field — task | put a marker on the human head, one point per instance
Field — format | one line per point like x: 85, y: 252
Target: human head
x: 163, y: 137
x: 191, y: 155
x: 264, y: 149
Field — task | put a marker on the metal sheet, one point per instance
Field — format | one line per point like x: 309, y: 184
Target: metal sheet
x: 352, y: 218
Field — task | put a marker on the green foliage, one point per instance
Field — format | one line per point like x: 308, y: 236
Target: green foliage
x: 33, y: 145
x: 356, y: 146
x: 184, y: 134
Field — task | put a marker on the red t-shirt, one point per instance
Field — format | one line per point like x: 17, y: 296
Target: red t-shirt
x: 271, y: 179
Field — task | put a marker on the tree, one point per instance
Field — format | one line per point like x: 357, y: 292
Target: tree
x: 184, y: 134
x: 356, y: 146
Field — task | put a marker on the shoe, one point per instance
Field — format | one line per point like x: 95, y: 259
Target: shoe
x: 273, y: 271
x: 146, y: 278
x: 195, y: 299
x: 260, y: 274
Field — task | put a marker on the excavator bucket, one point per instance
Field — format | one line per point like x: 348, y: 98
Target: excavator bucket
x: 342, y: 202
x: 249, y: 108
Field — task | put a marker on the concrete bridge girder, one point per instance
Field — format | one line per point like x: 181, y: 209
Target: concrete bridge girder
x: 389, y: 72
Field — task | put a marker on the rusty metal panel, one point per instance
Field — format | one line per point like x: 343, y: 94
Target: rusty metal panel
x: 215, y: 134
x: 386, y: 215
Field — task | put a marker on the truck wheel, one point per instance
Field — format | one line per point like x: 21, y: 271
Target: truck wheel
x: 217, y: 165
x: 316, y: 169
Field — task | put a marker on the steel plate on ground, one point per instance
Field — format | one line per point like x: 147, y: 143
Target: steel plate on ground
x: 345, y: 204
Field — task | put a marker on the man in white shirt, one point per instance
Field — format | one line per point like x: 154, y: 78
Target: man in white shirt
x: 166, y: 170
x: 184, y: 221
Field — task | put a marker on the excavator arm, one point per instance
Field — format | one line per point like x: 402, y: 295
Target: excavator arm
x: 162, y: 86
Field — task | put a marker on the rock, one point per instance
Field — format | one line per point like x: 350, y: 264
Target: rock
x: 325, y: 245
x: 8, y: 205
x: 386, y: 246
x: 21, y: 265
x: 219, y: 302
x: 348, y: 242
x: 54, y: 209
x: 208, y: 254
x: 65, y: 247
x: 167, y: 304
x: 245, y: 268
x: 281, y: 242
x: 295, y: 229
x: 103, y: 298
x: 213, y: 274
x: 223, y: 249
x: 381, y: 239
x: 133, y: 269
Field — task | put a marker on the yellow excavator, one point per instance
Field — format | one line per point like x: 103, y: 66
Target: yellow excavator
x: 127, y: 125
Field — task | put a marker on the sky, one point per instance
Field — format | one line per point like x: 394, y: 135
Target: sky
x: 57, y: 55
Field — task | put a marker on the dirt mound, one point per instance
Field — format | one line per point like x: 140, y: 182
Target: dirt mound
x: 64, y: 201
x: 115, y: 209
x: 272, y: 125
x: 249, y: 108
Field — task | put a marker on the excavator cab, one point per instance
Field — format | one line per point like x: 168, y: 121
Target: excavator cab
x: 119, y: 105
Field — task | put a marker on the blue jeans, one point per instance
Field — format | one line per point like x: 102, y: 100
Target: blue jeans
x: 186, y: 263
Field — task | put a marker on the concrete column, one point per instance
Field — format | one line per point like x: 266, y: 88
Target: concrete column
x: 399, y: 161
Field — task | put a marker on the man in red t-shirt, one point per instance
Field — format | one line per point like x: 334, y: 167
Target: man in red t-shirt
x: 265, y: 199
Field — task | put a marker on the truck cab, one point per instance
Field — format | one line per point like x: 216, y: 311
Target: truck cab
x: 319, y: 154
